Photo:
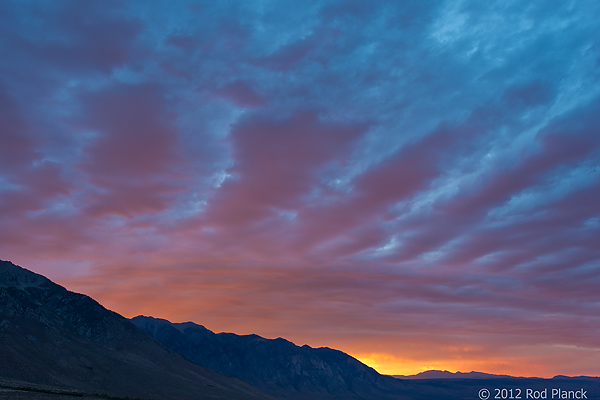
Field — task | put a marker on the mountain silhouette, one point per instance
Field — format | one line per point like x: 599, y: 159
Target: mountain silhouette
x: 51, y: 336
x: 437, y: 374
x: 275, y: 366
x: 287, y: 371
x: 57, y: 342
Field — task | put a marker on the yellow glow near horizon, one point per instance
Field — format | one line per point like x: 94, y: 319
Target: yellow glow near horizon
x: 388, y: 364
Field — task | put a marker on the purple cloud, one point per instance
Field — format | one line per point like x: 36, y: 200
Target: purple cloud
x: 416, y: 183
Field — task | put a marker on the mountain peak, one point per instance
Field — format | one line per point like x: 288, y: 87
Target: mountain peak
x: 275, y: 366
x: 12, y: 275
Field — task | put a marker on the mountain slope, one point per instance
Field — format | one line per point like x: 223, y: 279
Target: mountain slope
x: 51, y: 336
x: 276, y: 366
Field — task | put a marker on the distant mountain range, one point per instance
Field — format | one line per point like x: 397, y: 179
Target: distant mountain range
x: 436, y: 374
x: 57, y: 342
x: 287, y: 371
x: 275, y: 366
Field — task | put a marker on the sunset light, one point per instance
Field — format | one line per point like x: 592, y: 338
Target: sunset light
x: 414, y: 183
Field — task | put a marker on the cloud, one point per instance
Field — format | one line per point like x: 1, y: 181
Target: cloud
x: 17, y: 142
x: 133, y: 161
x: 241, y: 95
x: 276, y: 163
x: 101, y: 40
x: 410, y: 178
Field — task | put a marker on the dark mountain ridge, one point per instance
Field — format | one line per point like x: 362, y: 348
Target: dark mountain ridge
x: 276, y: 366
x: 57, y: 341
x: 51, y: 336
x: 287, y: 371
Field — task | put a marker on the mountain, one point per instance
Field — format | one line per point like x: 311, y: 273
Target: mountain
x: 287, y: 371
x: 275, y: 366
x: 53, y: 337
x: 436, y: 374
x: 62, y: 345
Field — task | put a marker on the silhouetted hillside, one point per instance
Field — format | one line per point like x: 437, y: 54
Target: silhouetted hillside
x: 287, y: 371
x: 51, y: 336
x: 276, y: 366
x: 65, y: 345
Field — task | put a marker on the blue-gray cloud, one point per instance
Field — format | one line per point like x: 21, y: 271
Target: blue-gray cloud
x: 423, y: 164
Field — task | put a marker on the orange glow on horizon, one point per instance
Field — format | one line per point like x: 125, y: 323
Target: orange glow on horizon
x: 391, y: 355
x: 389, y: 364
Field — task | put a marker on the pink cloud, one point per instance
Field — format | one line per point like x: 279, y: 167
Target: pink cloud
x: 133, y: 162
x: 135, y: 133
x: 276, y: 164
x: 397, y: 178
x: 35, y: 188
x: 17, y: 144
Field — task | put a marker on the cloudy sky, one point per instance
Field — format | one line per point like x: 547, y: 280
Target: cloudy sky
x: 416, y: 183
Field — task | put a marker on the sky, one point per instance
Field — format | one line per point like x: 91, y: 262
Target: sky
x: 415, y: 183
